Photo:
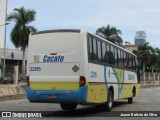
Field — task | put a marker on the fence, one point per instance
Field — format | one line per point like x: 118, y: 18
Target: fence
x: 150, y: 79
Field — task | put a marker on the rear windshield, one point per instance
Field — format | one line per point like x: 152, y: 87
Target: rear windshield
x: 54, y: 43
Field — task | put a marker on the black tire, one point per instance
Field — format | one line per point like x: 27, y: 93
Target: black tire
x: 68, y: 106
x: 107, y: 106
x: 130, y: 100
x: 109, y: 103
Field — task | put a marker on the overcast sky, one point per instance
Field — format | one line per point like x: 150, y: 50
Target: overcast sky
x: 126, y: 15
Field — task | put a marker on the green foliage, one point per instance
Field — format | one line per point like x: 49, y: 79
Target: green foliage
x: 110, y: 33
x: 20, y: 33
x: 148, y: 55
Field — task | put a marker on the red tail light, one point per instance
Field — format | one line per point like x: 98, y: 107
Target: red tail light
x: 82, y: 81
x: 27, y: 80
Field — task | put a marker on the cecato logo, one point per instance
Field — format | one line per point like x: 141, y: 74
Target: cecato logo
x: 53, y: 58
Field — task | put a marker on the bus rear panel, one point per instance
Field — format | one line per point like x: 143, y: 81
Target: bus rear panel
x: 54, y: 69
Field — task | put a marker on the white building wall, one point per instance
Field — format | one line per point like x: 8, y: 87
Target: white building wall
x: 3, y: 6
x: 17, y: 54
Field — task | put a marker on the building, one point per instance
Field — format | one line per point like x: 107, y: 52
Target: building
x: 130, y: 47
x: 12, y: 57
x: 140, y: 38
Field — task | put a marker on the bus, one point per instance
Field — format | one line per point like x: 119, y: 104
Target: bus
x: 73, y: 67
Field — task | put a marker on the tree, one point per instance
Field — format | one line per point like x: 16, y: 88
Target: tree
x: 110, y: 33
x: 20, y: 32
x: 143, y: 53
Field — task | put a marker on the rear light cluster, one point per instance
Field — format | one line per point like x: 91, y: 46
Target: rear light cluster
x: 27, y: 80
x: 82, y: 81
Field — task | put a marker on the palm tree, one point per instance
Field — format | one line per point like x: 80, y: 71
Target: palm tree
x: 110, y: 33
x: 143, y: 53
x: 20, y: 32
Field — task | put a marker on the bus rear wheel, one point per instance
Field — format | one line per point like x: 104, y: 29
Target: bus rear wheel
x: 109, y: 103
x: 107, y: 106
x: 68, y: 106
x: 130, y: 100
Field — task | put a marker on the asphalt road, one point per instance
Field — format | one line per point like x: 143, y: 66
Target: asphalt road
x: 149, y: 100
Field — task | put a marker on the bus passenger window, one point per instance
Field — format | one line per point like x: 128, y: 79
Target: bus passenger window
x: 116, y: 57
x: 130, y: 62
x: 108, y: 54
x: 90, y: 51
x: 95, y: 55
x: 125, y: 61
x: 112, y: 58
x: 122, y: 59
x: 104, y: 53
x: 119, y: 58
x: 99, y: 51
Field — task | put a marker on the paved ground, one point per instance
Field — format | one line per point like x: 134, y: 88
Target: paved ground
x: 149, y: 100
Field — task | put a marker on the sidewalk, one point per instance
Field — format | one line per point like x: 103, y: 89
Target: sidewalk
x: 9, y: 91
x: 12, y: 91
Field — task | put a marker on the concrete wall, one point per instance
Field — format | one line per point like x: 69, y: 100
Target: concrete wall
x: 12, y: 90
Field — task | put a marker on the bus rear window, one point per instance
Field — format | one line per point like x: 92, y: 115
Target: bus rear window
x: 54, y: 43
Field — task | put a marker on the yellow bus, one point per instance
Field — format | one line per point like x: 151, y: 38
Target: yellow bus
x: 72, y: 67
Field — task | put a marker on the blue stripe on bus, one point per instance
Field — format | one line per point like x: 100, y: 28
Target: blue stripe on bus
x: 79, y: 95
x: 116, y: 76
x: 105, y: 78
x: 119, y: 88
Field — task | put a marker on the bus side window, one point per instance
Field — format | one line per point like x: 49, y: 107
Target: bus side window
x: 119, y: 58
x: 99, y: 45
x: 104, y: 53
x: 108, y: 54
x: 116, y: 57
x: 133, y: 62
x: 130, y: 62
x: 95, y: 54
x: 125, y: 62
x: 122, y: 61
x: 112, y: 58
x: 133, y: 67
x: 90, y: 51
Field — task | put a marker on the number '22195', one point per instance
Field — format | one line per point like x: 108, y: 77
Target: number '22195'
x: 35, y: 68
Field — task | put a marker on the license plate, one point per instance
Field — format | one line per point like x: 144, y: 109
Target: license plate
x: 52, y: 96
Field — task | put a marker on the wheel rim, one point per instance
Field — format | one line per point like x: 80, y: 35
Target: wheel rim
x: 110, y: 104
x: 110, y: 101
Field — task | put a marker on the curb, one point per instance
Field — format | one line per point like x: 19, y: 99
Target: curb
x: 150, y: 86
x: 13, y: 97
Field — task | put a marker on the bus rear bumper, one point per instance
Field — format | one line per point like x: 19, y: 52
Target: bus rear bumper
x: 78, y: 96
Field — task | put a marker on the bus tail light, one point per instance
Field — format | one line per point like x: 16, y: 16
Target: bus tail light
x: 82, y: 81
x: 27, y: 80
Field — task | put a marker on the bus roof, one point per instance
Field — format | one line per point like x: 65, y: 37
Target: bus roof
x: 56, y: 30
x: 78, y: 31
x: 112, y: 43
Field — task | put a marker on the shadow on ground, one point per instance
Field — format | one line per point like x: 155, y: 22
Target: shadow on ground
x: 87, y: 111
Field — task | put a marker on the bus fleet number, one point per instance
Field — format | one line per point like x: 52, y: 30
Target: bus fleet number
x: 35, y: 68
